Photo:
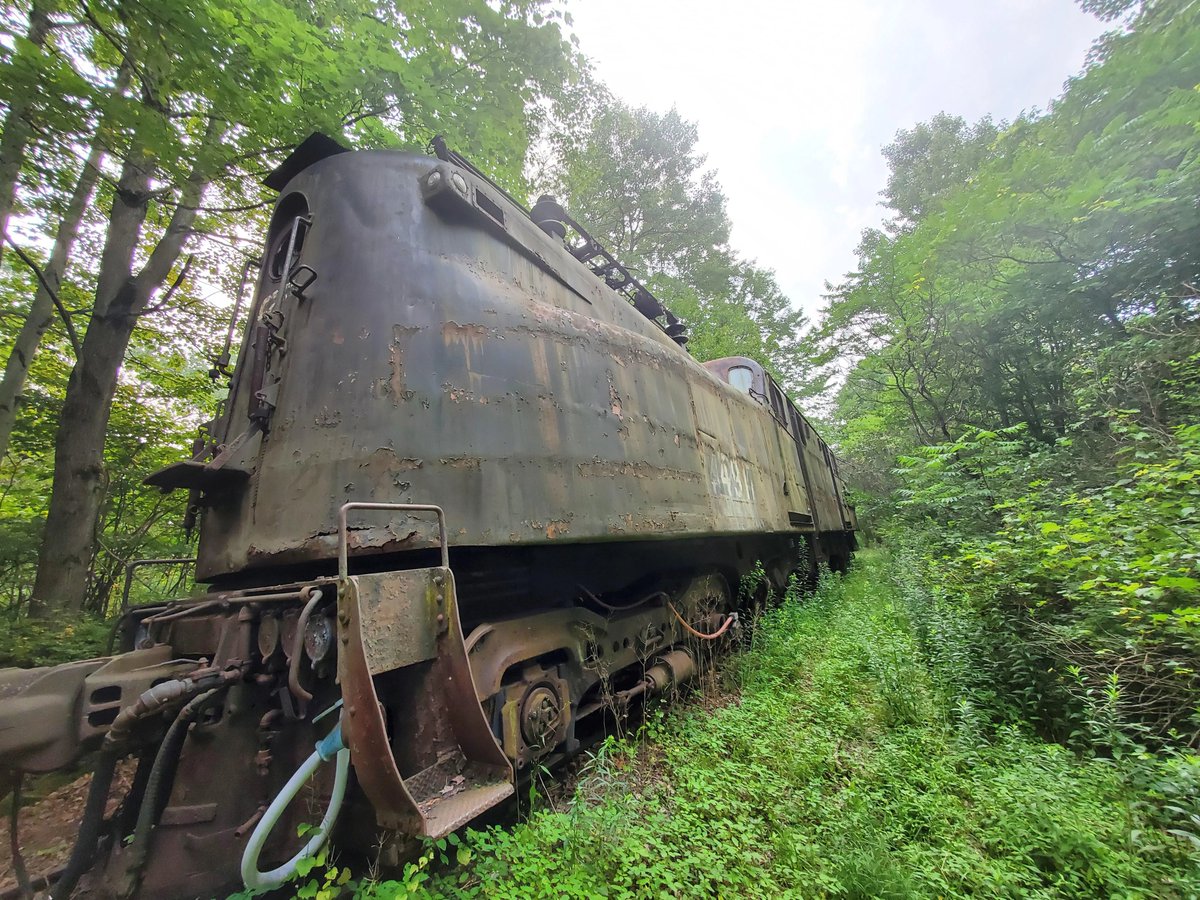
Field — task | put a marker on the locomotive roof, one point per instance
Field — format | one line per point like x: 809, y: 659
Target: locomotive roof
x: 548, y: 214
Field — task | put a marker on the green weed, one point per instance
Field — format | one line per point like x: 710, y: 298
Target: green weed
x: 856, y: 763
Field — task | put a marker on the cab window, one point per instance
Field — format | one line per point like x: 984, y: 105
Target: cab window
x: 777, y: 403
x: 741, y: 378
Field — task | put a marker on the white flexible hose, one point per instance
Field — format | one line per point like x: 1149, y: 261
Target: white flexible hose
x: 251, y: 876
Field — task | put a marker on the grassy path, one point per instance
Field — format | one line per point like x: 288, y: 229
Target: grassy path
x: 837, y: 770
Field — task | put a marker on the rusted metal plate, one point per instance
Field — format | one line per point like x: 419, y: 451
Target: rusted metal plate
x: 365, y: 729
x: 399, y: 613
x: 399, y: 768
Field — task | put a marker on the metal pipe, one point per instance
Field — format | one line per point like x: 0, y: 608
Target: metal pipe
x: 291, y: 255
x: 298, y: 646
x: 181, y: 613
x: 151, y: 701
x: 670, y: 670
x: 241, y: 599
x: 256, y: 598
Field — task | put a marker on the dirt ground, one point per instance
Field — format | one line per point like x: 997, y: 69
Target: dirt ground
x: 48, y: 825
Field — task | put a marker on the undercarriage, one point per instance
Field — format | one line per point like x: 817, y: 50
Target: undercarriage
x: 384, y: 704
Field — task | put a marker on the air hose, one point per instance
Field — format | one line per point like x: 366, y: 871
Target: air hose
x: 89, y: 825
x: 330, y: 747
x: 729, y: 620
x: 162, y: 773
x: 111, y: 750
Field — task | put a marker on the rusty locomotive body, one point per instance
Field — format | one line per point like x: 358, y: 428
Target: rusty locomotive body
x: 469, y: 497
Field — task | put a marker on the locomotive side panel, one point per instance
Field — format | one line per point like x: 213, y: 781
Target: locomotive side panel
x: 754, y: 484
x: 826, y: 511
x: 448, y: 366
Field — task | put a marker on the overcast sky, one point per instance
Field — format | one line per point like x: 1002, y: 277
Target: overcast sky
x: 794, y: 100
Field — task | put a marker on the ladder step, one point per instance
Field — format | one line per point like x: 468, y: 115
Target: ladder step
x: 450, y: 814
x: 453, y: 791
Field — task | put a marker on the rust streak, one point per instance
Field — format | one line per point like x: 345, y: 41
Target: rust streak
x: 400, y: 337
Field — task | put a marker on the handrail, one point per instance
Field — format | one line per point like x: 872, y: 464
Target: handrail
x: 134, y: 565
x: 343, y: 530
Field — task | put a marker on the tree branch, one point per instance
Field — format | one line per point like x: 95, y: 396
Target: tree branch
x: 163, y: 257
x: 62, y: 310
x: 187, y: 264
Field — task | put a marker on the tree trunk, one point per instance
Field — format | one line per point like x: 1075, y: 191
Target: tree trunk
x: 41, y: 311
x: 77, y: 495
x: 14, y: 138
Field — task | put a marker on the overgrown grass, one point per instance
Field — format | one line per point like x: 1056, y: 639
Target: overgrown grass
x: 850, y: 767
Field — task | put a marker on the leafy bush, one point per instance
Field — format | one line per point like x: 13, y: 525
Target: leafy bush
x: 35, y: 642
x: 1089, y: 588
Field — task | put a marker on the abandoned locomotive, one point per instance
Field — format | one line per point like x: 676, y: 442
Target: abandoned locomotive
x: 468, y: 498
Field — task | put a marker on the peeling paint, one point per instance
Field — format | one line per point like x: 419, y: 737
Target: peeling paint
x: 598, y: 468
x: 327, y: 418
x: 460, y: 462
x: 395, y: 384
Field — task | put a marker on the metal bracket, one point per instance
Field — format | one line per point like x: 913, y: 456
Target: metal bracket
x: 301, y: 279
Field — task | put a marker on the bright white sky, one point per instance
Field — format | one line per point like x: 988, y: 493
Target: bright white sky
x: 794, y: 100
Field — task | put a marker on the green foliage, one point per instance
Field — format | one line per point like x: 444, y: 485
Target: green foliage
x: 636, y: 181
x: 159, y: 404
x: 1098, y: 580
x: 1020, y: 411
x: 931, y: 159
x: 1025, y: 256
x: 35, y: 642
x: 843, y: 769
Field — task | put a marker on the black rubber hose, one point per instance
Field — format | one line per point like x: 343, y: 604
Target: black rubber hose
x: 126, y: 816
x: 161, y: 775
x: 89, y: 826
x: 14, y: 839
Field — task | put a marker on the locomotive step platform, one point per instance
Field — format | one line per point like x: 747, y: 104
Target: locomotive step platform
x: 452, y: 792
x: 400, y: 629
x: 191, y: 473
